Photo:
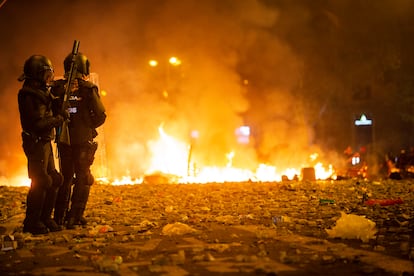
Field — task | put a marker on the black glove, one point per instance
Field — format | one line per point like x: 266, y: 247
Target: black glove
x: 57, y: 121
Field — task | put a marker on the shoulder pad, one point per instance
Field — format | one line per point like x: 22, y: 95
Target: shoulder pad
x: 34, y: 92
x: 87, y: 84
x: 60, y: 82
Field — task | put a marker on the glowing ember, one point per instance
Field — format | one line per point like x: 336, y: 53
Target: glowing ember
x: 220, y: 175
x: 125, y: 180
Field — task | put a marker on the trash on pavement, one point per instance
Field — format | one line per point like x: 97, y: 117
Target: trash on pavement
x: 350, y: 226
x: 8, y: 243
x: 384, y: 202
x: 177, y: 228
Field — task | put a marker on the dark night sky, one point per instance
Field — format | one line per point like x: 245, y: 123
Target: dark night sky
x: 311, y: 67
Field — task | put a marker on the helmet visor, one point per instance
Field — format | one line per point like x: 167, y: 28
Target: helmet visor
x: 48, y: 76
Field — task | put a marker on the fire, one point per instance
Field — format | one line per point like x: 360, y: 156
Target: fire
x: 125, y: 180
x: 169, y: 155
x: 220, y: 175
x: 322, y: 173
x: 172, y: 157
x: 18, y: 180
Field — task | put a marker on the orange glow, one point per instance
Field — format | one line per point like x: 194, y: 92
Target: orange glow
x: 174, y: 61
x: 171, y: 156
x: 17, y: 181
x: 153, y: 63
x: 126, y: 180
x: 322, y: 173
x: 168, y: 155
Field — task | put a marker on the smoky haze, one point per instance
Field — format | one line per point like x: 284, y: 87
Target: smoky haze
x: 279, y: 66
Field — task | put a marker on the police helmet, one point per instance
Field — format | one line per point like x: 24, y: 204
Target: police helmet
x: 81, y: 62
x: 37, y: 67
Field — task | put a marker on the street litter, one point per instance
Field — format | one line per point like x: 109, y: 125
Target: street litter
x: 8, y: 243
x: 350, y: 226
x: 384, y: 202
x: 177, y: 228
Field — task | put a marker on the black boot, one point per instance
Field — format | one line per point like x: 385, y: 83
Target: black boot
x: 52, y: 225
x: 79, y: 200
x: 35, y: 228
x: 34, y: 205
x: 59, y: 216
x: 48, y: 206
x: 83, y: 220
x: 74, y: 218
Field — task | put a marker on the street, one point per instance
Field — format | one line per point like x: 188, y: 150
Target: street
x: 286, y: 228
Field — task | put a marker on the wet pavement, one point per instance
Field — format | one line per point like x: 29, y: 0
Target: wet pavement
x: 288, y: 228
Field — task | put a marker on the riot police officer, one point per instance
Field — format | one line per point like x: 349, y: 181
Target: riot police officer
x: 38, y: 123
x: 86, y: 114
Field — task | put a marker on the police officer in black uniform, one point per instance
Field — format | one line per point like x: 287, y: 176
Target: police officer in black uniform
x: 38, y: 123
x: 86, y: 114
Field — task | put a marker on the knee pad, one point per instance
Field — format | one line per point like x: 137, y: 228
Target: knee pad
x: 85, y: 179
x: 57, y: 178
x: 43, y: 180
x: 91, y: 179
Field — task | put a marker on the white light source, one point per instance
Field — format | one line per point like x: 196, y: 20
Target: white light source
x: 363, y: 121
x: 243, y: 134
x: 153, y: 63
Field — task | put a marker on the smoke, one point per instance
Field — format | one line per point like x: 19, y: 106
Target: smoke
x: 205, y: 92
x: 252, y: 62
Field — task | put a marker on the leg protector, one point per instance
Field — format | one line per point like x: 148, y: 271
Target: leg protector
x: 34, y: 206
x: 79, y: 199
x: 47, y: 210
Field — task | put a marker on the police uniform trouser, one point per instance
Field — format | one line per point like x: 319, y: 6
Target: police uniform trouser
x: 83, y: 156
x: 42, y: 191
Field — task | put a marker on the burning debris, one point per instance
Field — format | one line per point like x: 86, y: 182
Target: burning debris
x: 173, y: 161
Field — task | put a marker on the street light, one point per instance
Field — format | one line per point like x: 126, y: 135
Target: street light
x: 153, y: 63
x: 172, y: 61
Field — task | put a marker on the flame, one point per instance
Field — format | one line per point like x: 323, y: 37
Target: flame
x: 322, y: 173
x: 170, y: 160
x: 171, y: 157
x: 168, y: 155
x: 17, y: 181
x: 124, y: 181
